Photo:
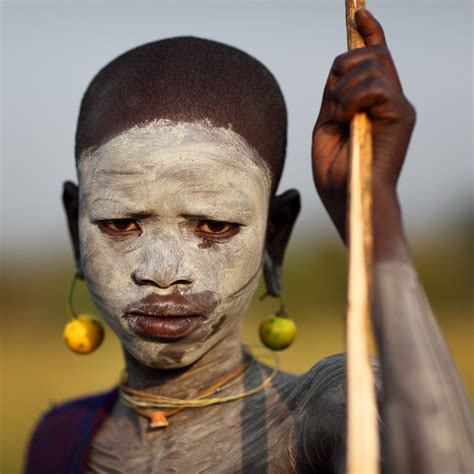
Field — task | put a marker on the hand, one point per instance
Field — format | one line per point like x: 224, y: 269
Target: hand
x: 361, y: 80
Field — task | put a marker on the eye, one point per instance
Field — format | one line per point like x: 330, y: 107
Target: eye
x: 120, y: 226
x: 217, y: 229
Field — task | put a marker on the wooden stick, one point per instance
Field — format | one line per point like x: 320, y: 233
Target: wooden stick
x: 362, y: 432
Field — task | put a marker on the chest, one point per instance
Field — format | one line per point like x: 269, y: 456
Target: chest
x: 249, y: 435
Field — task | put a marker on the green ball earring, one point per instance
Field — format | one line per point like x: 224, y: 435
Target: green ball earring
x: 83, y: 334
x: 278, y: 331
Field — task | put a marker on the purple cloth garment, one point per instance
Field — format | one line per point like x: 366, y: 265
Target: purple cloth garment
x: 61, y: 441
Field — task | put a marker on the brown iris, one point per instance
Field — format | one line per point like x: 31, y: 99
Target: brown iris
x: 120, y: 226
x: 216, y: 229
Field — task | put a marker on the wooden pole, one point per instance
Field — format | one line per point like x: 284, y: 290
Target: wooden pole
x: 362, y: 432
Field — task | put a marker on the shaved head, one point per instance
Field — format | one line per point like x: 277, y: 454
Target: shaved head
x: 186, y: 79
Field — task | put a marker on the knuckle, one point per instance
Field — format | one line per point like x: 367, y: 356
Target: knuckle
x: 380, y: 54
x: 338, y: 63
x: 372, y: 64
x: 381, y: 51
x: 373, y: 83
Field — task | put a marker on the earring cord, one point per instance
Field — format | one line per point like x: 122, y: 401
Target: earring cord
x: 282, y: 312
x: 69, y: 307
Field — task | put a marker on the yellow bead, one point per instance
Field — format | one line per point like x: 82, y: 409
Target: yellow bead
x: 83, y: 334
x: 277, y: 333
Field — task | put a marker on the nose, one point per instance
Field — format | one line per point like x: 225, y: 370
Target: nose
x: 162, y: 282
x: 162, y: 265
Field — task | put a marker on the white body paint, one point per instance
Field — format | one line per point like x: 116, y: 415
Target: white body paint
x: 171, y: 173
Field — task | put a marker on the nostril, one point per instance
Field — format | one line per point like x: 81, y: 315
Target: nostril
x: 143, y: 280
x: 137, y: 280
x: 181, y: 282
x: 158, y: 282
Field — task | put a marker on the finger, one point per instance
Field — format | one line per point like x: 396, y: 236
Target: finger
x: 337, y: 174
x: 326, y: 100
x: 360, y: 73
x: 326, y: 145
x: 369, y: 28
x: 347, y: 61
x: 329, y: 160
x: 372, y: 95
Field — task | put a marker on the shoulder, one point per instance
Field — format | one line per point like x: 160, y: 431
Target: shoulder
x: 323, y: 396
x: 322, y: 410
x: 64, y: 430
x: 325, y: 382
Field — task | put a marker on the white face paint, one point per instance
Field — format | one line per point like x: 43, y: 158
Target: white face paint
x: 169, y: 280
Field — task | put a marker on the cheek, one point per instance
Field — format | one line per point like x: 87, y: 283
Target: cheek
x: 235, y: 265
x: 105, y: 272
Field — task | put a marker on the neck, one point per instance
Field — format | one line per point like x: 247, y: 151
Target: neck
x: 226, y: 356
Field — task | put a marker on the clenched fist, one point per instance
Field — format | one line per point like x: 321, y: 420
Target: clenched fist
x: 362, y: 80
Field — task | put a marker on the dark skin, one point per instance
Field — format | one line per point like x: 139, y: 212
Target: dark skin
x: 364, y: 80
x: 304, y: 415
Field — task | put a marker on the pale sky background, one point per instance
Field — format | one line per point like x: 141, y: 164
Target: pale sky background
x: 50, y: 52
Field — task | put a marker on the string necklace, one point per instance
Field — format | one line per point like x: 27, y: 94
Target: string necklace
x: 151, y: 406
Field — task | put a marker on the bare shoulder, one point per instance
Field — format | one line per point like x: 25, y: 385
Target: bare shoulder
x: 322, y: 386
x: 325, y: 382
x: 320, y: 407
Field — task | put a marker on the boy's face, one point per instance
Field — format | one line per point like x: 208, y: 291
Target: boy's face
x: 172, y: 222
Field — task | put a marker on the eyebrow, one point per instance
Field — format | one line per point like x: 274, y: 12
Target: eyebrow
x: 119, y: 206
x: 219, y: 215
x: 226, y: 197
x: 228, y: 210
x: 237, y: 205
x: 119, y: 172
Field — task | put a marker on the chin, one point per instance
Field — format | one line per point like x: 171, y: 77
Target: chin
x: 167, y: 355
x: 160, y: 353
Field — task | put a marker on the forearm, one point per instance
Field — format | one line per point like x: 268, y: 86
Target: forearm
x: 388, y: 235
x: 427, y: 418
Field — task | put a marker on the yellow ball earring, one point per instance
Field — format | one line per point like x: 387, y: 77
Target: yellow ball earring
x: 278, y: 331
x: 83, y: 334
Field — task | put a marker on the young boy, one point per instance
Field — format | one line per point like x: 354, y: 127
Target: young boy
x: 179, y: 149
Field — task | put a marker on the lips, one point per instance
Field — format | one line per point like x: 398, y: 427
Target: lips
x: 154, y: 326
x: 171, y: 316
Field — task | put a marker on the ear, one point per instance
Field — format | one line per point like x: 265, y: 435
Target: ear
x: 284, y: 210
x: 71, y: 206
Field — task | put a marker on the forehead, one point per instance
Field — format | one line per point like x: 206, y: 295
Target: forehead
x: 180, y: 153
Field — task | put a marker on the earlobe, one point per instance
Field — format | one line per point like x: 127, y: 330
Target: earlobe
x: 283, y: 211
x: 70, y: 199
x: 272, y: 276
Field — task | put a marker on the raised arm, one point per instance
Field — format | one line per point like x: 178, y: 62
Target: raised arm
x: 428, y: 424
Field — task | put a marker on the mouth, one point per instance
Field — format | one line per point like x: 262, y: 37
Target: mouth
x: 168, y: 317
x: 163, y: 326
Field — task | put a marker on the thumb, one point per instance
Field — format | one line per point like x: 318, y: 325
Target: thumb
x: 369, y: 28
